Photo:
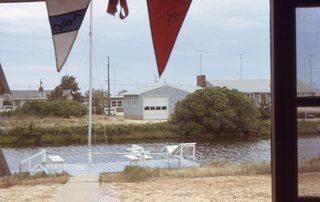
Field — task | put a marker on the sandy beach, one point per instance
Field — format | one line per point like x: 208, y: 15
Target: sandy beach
x: 34, y: 193
x: 232, y: 188
x: 220, y: 188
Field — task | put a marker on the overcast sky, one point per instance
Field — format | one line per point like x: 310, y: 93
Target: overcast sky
x: 223, y: 30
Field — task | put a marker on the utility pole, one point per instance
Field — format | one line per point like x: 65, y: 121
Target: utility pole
x: 310, y: 65
x: 109, y: 101
x: 90, y: 87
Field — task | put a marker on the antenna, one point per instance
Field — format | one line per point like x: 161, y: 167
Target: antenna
x: 109, y: 101
x: 200, y: 59
x: 155, y: 78
x: 241, y: 65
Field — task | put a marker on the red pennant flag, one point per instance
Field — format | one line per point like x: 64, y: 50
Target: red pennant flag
x: 166, y: 18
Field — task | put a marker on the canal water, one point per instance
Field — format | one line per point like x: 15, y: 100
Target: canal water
x: 207, y: 150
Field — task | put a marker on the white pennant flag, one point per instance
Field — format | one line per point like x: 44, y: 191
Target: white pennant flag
x: 65, y: 18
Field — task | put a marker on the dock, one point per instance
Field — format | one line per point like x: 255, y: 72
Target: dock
x: 173, y: 156
x: 114, y: 167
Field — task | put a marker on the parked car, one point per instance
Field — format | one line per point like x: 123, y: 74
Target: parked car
x: 6, y: 108
x: 112, y: 111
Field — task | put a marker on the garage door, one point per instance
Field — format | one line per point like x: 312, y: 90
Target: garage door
x: 155, y: 108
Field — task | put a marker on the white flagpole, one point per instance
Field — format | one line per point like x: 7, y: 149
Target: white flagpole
x: 90, y: 87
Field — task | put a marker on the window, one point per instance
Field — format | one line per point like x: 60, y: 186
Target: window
x: 113, y: 103
x: 164, y: 108
x: 308, y: 86
x: 17, y: 103
x: 294, y: 78
x: 158, y: 108
x: 147, y: 108
x: 152, y: 108
x: 119, y: 103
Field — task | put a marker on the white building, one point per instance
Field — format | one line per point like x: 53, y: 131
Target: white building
x: 155, y: 102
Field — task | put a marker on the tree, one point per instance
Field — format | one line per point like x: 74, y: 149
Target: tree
x: 98, y: 98
x: 217, y: 111
x: 67, y: 83
x: 264, y: 109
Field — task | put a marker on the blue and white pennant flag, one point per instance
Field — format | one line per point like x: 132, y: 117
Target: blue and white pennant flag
x: 65, y: 17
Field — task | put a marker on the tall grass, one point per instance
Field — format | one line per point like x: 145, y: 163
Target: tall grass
x: 135, y: 174
x: 23, y: 179
x: 309, y: 165
x: 74, y: 130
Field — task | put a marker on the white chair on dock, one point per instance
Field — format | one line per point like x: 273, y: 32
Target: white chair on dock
x: 55, y: 164
x: 180, y: 150
x: 137, y: 154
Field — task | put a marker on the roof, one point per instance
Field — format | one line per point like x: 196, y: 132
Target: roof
x: 4, y: 87
x: 34, y: 94
x: 244, y: 85
x: 29, y: 94
x: 142, y: 90
x: 302, y: 87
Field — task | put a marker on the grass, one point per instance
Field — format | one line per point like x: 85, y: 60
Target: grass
x: 139, y: 174
x: 309, y: 165
x: 136, y: 174
x: 23, y: 179
x: 59, y: 131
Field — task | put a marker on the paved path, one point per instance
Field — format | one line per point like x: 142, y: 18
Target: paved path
x: 80, y: 188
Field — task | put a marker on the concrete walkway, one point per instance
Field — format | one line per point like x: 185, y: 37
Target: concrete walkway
x: 80, y: 188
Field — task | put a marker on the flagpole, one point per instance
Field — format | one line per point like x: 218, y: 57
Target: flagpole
x: 90, y: 87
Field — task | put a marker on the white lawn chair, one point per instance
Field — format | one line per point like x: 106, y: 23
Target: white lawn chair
x: 178, y: 151
x: 137, y: 154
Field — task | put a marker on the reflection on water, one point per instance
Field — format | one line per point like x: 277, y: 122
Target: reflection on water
x: 228, y: 150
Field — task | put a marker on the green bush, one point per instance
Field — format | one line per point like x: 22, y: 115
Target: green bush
x: 216, y: 111
x: 58, y: 108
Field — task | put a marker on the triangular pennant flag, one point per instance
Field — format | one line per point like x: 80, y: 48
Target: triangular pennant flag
x: 65, y: 18
x: 166, y: 18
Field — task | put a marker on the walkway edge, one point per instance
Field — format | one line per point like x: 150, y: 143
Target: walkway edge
x: 80, y: 188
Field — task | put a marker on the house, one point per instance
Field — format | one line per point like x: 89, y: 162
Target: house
x: 116, y: 101
x: 155, y: 102
x: 4, y: 88
x: 19, y: 97
x: 257, y: 89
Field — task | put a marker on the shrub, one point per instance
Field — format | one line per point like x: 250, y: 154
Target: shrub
x: 58, y: 108
x: 216, y: 111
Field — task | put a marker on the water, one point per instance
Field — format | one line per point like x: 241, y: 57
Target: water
x: 227, y: 150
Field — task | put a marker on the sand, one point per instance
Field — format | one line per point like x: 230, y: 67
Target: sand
x: 221, y: 188
x: 34, y: 193
x: 232, y: 188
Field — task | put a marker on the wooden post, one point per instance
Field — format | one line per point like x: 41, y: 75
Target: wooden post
x: 4, y: 168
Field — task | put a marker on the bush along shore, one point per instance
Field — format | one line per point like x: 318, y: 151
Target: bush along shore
x: 74, y: 130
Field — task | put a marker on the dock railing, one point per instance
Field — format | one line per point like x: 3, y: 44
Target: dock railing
x: 34, y: 163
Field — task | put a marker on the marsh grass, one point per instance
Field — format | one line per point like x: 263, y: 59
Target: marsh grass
x: 52, y: 130
x: 309, y: 165
x: 138, y: 174
x: 23, y: 179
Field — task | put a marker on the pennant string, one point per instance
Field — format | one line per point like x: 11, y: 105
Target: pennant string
x: 124, y: 8
x: 112, y: 8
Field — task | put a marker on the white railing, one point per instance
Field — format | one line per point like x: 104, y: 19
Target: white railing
x: 34, y: 162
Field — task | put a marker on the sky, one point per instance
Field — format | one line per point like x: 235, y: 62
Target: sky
x: 230, y: 35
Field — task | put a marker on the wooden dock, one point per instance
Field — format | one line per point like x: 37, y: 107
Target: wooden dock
x: 113, y: 167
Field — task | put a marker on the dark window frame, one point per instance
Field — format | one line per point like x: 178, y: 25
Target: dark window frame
x: 285, y: 101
